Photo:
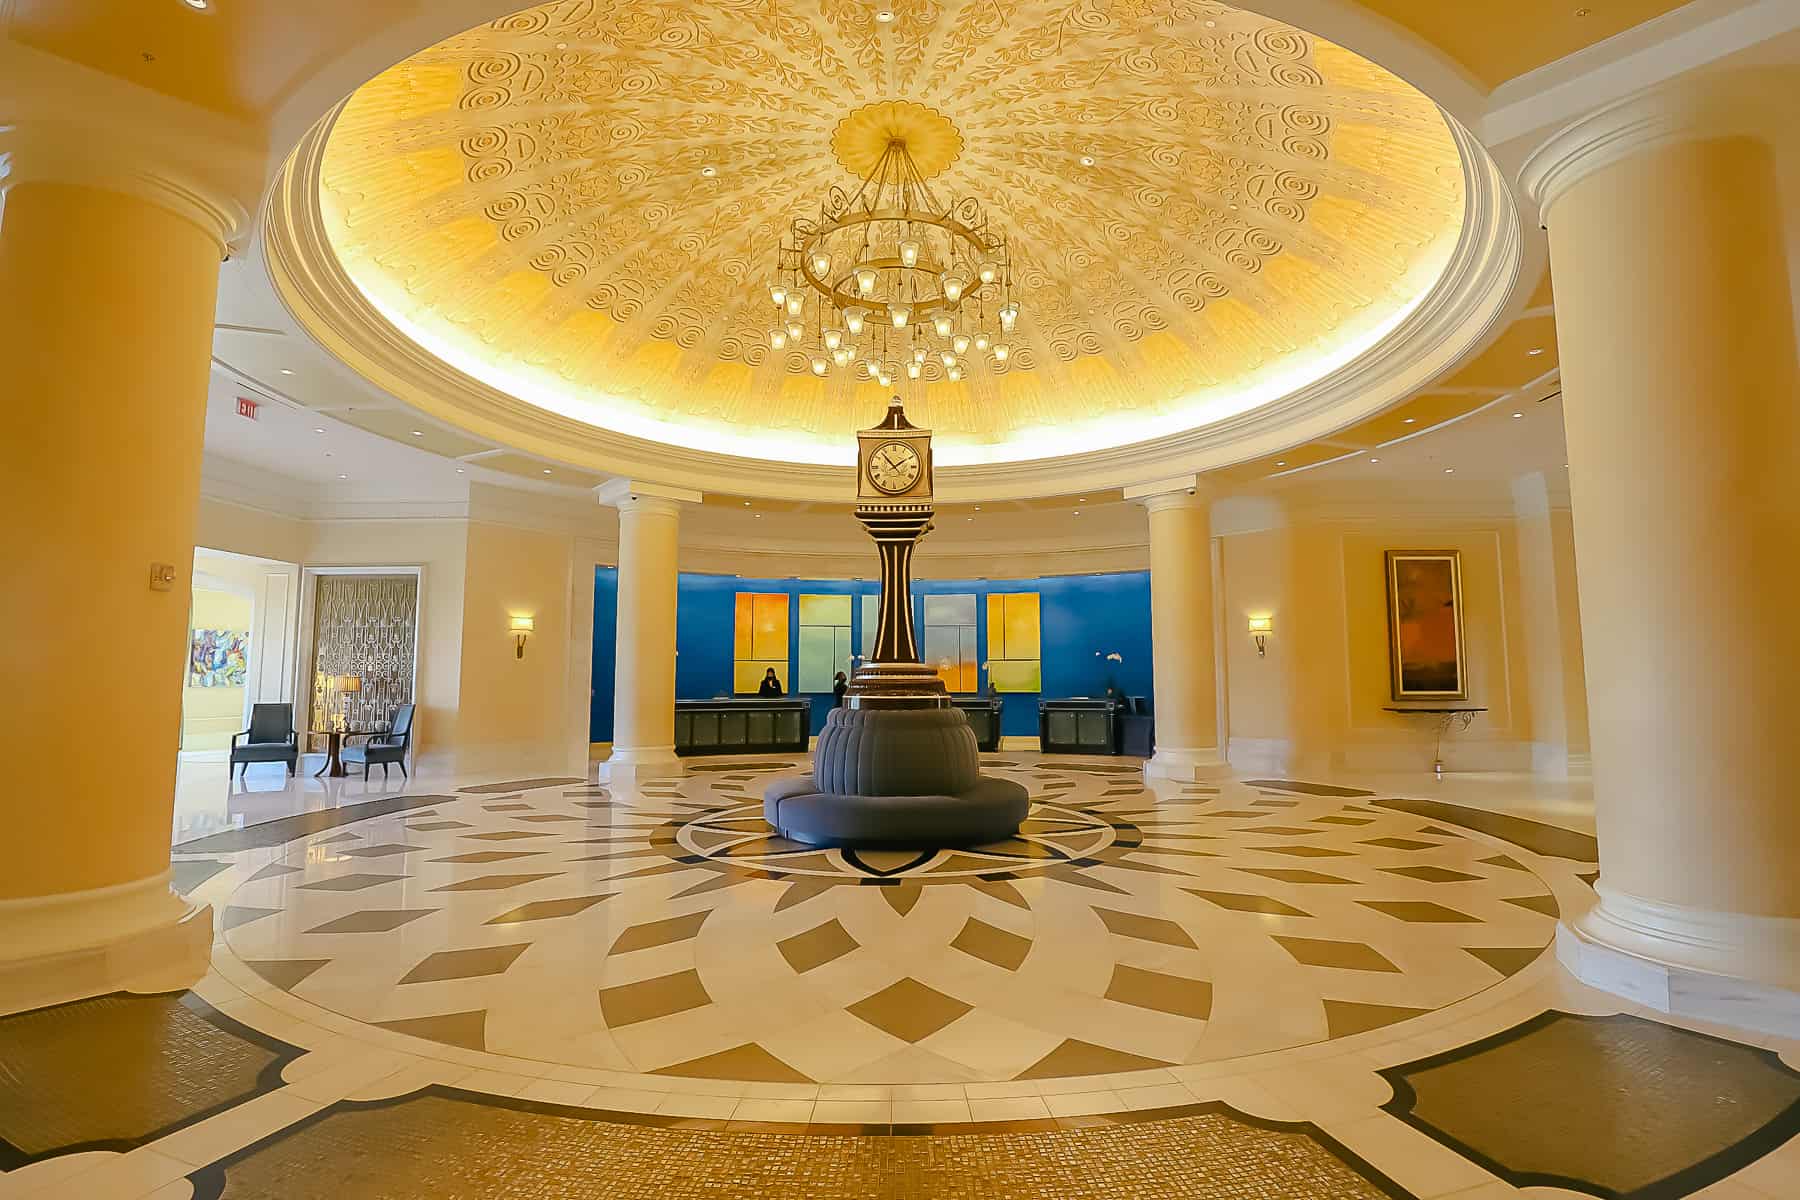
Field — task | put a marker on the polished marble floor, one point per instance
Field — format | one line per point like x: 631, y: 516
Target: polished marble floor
x: 1256, y: 988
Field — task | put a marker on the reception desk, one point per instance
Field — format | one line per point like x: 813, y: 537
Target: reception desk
x: 1079, y: 725
x: 748, y: 726
x: 984, y: 718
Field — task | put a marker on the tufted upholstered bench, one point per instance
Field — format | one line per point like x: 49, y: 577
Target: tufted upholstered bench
x: 895, y: 777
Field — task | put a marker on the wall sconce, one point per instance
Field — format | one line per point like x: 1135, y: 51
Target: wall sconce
x: 521, y: 629
x: 1260, y: 629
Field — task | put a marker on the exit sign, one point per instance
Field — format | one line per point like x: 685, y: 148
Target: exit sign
x: 247, y: 407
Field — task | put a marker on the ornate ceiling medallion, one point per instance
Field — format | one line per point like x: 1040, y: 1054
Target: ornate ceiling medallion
x: 1220, y: 228
x: 889, y: 276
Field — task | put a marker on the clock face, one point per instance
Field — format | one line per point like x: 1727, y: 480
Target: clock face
x: 894, y: 467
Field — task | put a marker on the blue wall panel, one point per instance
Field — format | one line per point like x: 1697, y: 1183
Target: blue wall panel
x: 606, y: 635
x: 1083, y: 618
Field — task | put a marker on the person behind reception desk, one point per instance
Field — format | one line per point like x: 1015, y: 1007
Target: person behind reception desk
x: 771, y: 686
x: 839, y: 686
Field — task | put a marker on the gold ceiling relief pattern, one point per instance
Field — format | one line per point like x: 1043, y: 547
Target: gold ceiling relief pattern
x: 578, y: 204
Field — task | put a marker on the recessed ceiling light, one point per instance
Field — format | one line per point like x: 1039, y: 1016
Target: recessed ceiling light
x: 758, y: 516
x: 968, y: 518
x: 1374, y: 460
x: 709, y: 171
x: 1408, y: 420
x: 285, y: 371
x: 1212, y: 24
x: 546, y: 470
x: 318, y: 429
x: 1281, y: 462
x: 460, y: 471
x: 1516, y: 416
x: 1535, y: 351
x: 978, y: 508
x: 885, y: 15
x: 1083, y: 500
x: 198, y: 5
x: 746, y: 504
x: 418, y: 433
x: 1078, y: 512
x: 1087, y: 160
x: 1449, y: 470
x: 562, y: 45
x: 343, y: 477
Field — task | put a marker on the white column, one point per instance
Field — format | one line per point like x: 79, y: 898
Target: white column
x: 1676, y: 327
x: 1181, y: 630
x: 109, y: 271
x: 644, y: 654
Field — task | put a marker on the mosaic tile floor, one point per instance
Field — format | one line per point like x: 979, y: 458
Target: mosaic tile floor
x: 537, y: 986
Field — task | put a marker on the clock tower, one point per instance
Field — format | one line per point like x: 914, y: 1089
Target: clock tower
x: 893, y: 502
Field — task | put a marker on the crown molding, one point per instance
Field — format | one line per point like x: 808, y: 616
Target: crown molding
x: 1453, y: 319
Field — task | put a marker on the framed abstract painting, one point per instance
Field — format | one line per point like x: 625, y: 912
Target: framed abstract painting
x: 1425, y: 625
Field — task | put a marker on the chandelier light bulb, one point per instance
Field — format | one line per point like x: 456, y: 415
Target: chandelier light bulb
x: 981, y: 341
x: 909, y: 253
x: 834, y: 338
x: 988, y: 271
x: 954, y: 283
x: 818, y: 366
x: 840, y: 356
x: 960, y: 343
x: 794, y: 330
x: 948, y: 358
x: 821, y: 263
x: 777, y: 338
x: 918, y: 354
x: 899, y: 314
x: 913, y: 369
x: 1001, y: 351
x: 1009, y: 314
x: 884, y: 379
x: 778, y: 291
x: 941, y: 323
x: 853, y: 319
x: 795, y: 304
x: 865, y: 279
x: 953, y: 373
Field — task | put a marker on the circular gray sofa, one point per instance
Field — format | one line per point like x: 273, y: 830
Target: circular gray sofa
x: 907, y: 777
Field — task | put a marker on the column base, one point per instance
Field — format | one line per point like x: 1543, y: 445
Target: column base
x: 1728, y: 968
x: 132, y: 937
x: 1187, y: 765
x: 642, y: 762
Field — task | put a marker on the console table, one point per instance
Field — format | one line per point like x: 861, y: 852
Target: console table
x: 1443, y: 719
x: 1078, y: 725
x: 743, y: 726
x: 984, y: 718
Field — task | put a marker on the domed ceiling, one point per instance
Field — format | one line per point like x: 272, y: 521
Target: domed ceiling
x: 579, y: 205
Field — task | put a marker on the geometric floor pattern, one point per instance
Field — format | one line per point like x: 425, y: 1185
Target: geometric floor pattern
x: 398, y: 1151
x: 1613, y: 1106
x: 675, y: 933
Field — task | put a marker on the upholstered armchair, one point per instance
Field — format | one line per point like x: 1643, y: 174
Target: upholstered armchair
x: 270, y: 738
x: 385, y: 749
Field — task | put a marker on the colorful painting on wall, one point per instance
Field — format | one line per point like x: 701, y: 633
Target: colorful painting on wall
x: 1425, y: 625
x: 1014, y: 641
x: 760, y: 641
x: 218, y: 658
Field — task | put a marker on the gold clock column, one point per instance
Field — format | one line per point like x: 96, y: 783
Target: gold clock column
x: 1181, y: 631
x: 644, y: 654
x: 894, y: 494
x: 106, y: 316
x: 1675, y: 323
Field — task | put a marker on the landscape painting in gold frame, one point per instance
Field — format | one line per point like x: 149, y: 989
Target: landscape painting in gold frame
x: 1425, y: 625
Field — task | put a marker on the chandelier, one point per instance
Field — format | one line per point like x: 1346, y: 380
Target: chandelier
x: 888, y: 282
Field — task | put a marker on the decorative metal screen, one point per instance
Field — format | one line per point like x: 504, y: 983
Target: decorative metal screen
x: 363, y: 625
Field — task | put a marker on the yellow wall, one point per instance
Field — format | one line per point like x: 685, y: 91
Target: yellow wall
x: 514, y: 710
x: 210, y: 715
x: 232, y: 527
x: 1317, y: 700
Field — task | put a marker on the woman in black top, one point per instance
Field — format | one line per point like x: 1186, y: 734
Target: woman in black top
x: 771, y: 686
x: 838, y: 687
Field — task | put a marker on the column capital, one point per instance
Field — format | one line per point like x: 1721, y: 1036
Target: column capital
x: 1711, y: 104
x: 71, y: 124
x: 643, y: 495
x: 1181, y: 491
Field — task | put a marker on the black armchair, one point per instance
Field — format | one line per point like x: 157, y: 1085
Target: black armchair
x: 270, y: 738
x: 384, y: 748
